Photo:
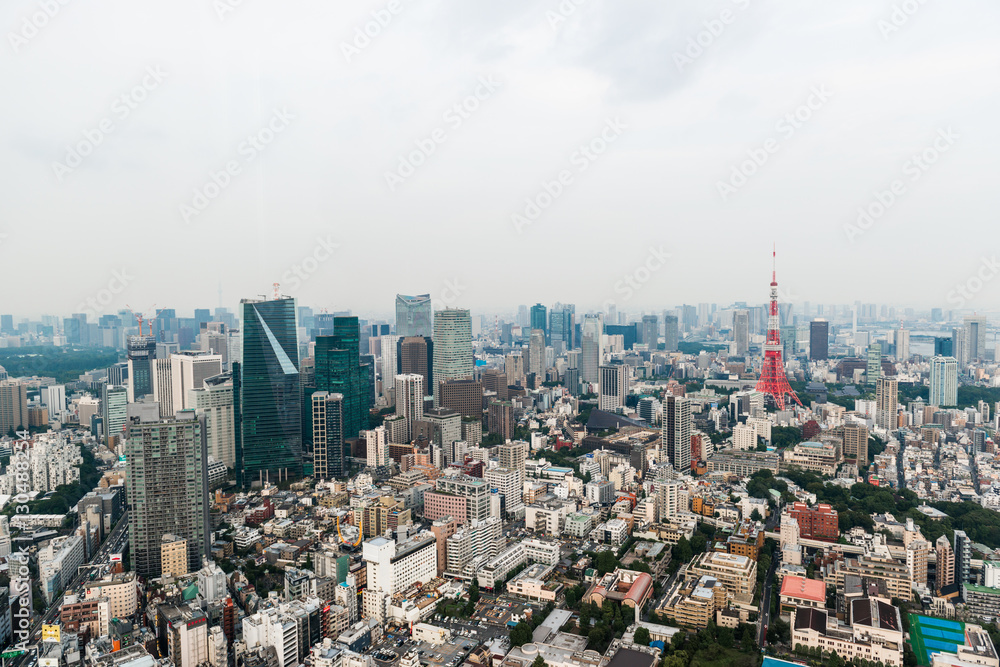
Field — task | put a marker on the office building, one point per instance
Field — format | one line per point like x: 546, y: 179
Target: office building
x: 670, y: 332
x: 167, y: 490
x: 819, y: 339
x: 975, y: 337
x: 213, y: 403
x: 409, y: 400
x: 329, y: 452
x: 339, y: 370
x: 54, y: 398
x: 873, y: 369
x: 676, y: 432
x: 539, y: 320
x: 536, y: 353
x: 464, y: 397
x: 944, y: 382
x: 613, y: 383
x: 163, y: 384
x: 393, y: 567
x: 453, y: 359
x: 13, y: 406
x: 741, y: 332
x: 141, y: 352
x: 387, y: 364
x: 650, y: 332
x: 561, y: 325
x: 902, y: 344
x: 114, y: 409
x: 267, y: 384
x: 189, y: 370
x: 590, y: 347
x: 500, y: 419
x: 413, y: 315
x: 415, y: 357
x: 886, y: 403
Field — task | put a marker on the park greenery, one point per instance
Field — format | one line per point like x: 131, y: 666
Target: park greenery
x: 65, y: 364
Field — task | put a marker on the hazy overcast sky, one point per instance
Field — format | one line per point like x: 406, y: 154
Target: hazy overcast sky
x: 672, y: 117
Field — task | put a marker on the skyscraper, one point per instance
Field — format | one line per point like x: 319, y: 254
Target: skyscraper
x: 415, y: 354
x: 741, y: 332
x: 539, y: 319
x: 339, y: 370
x: 960, y: 346
x: 213, y: 403
x: 269, y: 414
x: 413, y: 315
x: 167, y: 489
x: 874, y: 368
x: 590, y: 344
x: 453, y: 359
x: 962, y: 546
x: 944, y: 382
x: 819, y: 339
x: 650, y: 331
x: 189, y: 370
x: 975, y: 337
x: 613, y: 386
x: 945, y: 563
x: 141, y: 357
x: 536, y: 354
x: 14, y: 406
x: 410, y: 400
x: 886, y: 402
x: 676, y: 432
x: 329, y: 455
x: 670, y: 332
x: 561, y: 325
x: 387, y: 368
x: 902, y: 344
x: 114, y: 409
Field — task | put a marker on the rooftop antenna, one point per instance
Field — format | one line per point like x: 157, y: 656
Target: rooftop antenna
x: 277, y: 294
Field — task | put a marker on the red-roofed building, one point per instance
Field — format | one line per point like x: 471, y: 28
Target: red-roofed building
x: 801, y: 592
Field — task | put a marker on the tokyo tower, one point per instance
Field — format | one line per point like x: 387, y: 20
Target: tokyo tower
x: 773, y: 380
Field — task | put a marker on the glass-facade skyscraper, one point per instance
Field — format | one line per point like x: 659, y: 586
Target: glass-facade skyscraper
x: 141, y: 357
x: 453, y: 358
x: 413, y: 315
x: 269, y: 415
x: 339, y: 370
x: 539, y: 319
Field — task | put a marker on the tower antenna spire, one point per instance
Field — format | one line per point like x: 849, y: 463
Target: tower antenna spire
x: 773, y: 380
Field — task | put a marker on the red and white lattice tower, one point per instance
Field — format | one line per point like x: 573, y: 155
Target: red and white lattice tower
x: 773, y: 380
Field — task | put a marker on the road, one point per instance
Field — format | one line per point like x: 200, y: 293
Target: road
x: 765, y: 604
x: 114, y: 544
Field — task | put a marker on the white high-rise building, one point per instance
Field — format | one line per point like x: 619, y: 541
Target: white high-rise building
x: 377, y: 447
x: 744, y: 437
x: 669, y: 496
x: 54, y: 398
x: 612, y: 386
x: 902, y: 344
x: 189, y: 370
x: 163, y: 386
x: 409, y: 388
x: 215, y: 401
x: 393, y: 567
x: 944, y: 382
x: 975, y: 337
x: 509, y: 484
x: 388, y: 363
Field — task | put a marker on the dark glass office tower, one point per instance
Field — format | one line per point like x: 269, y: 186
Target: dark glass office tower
x: 539, y: 319
x: 141, y: 357
x: 339, y: 370
x: 270, y: 397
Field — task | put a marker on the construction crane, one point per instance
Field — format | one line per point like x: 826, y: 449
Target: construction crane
x: 140, y: 318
